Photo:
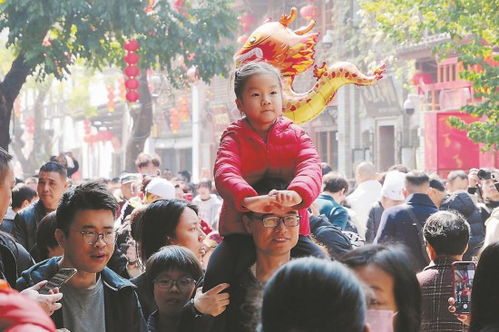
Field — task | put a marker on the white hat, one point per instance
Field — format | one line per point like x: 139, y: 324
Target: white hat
x: 161, y: 187
x: 393, y: 185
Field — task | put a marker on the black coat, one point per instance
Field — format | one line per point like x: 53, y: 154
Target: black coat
x: 26, y: 223
x: 331, y: 236
x: 397, y: 226
x: 463, y: 203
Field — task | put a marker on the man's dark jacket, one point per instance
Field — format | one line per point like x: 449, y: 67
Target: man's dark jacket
x: 331, y: 236
x: 26, y: 222
x: 463, y: 203
x: 122, y: 308
x: 397, y: 225
x: 14, y: 259
x: 373, y: 221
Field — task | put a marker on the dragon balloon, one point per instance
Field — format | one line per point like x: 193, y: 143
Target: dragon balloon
x: 292, y: 52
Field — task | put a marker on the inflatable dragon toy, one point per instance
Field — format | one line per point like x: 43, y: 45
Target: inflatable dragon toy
x: 292, y: 52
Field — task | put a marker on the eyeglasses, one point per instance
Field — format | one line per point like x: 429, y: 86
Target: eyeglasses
x: 182, y: 283
x: 93, y: 237
x: 273, y: 221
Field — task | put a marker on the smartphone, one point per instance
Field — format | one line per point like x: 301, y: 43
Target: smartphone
x: 462, y: 280
x: 58, y: 279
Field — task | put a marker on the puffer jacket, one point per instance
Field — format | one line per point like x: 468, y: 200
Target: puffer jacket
x: 463, y: 203
x: 244, y: 158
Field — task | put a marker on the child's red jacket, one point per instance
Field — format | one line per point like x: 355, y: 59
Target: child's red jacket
x: 243, y: 159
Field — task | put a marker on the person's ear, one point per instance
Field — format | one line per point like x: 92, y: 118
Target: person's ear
x: 432, y: 254
x: 60, y: 237
x: 25, y: 203
x: 247, y: 223
x: 239, y: 104
x: 170, y: 240
x: 405, y: 192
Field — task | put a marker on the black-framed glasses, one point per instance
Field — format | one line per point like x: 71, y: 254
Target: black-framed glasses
x: 182, y: 283
x: 92, y: 237
x: 274, y: 221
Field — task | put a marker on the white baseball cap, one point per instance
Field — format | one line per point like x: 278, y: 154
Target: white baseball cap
x: 161, y: 187
x: 393, y: 186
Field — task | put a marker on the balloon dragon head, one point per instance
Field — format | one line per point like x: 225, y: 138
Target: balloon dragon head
x: 290, y: 51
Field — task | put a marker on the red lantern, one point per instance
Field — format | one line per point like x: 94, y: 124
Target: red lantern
x: 86, y: 127
x: 132, y: 58
x: 174, y: 120
x: 421, y: 78
x: 131, y: 84
x: 183, y: 109
x: 132, y: 71
x: 309, y: 12
x: 132, y: 96
x: 30, y: 125
x: 131, y: 45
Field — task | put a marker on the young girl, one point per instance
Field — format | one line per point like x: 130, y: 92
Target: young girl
x: 262, y: 143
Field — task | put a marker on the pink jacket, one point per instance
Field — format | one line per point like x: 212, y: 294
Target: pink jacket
x: 243, y: 159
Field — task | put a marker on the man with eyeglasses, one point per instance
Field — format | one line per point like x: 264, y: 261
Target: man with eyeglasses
x: 95, y: 298
x: 274, y: 234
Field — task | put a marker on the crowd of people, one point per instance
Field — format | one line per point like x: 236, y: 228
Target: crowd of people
x: 278, y: 241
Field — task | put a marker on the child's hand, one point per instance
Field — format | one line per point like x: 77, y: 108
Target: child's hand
x: 213, y: 302
x: 261, y: 204
x: 286, y: 197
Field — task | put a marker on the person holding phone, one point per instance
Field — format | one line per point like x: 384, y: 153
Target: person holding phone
x: 483, y: 316
x: 95, y: 298
x: 9, y: 254
x: 446, y: 234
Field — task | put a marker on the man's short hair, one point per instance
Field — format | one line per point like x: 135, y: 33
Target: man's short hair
x: 447, y: 232
x: 5, y: 159
x: 21, y: 193
x: 54, y: 167
x: 265, y: 185
x: 366, y: 170
x: 436, y: 183
x: 457, y: 174
x: 86, y: 196
x: 334, y: 182
x: 205, y: 183
x: 417, y: 178
x: 143, y: 159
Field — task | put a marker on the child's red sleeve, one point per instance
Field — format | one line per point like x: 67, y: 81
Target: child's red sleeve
x: 228, y: 178
x: 308, y: 174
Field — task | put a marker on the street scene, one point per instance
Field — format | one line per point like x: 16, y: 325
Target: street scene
x: 235, y: 165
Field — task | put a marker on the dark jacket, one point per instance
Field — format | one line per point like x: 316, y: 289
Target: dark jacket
x: 373, y: 221
x: 123, y: 312
x: 240, y: 313
x: 398, y: 226
x: 337, y: 214
x: 462, y: 203
x: 331, y: 236
x: 26, y: 222
x: 436, y: 288
x: 14, y: 259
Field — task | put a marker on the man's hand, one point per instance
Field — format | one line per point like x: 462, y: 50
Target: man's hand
x: 212, y: 302
x: 49, y: 302
x: 473, y: 179
x: 463, y: 318
x: 286, y: 198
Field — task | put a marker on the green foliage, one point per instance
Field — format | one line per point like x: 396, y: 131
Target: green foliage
x: 53, y: 34
x: 473, y: 29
